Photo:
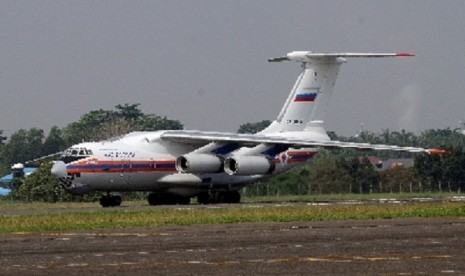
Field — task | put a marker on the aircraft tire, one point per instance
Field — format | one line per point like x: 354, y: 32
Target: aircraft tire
x: 115, y: 201
x: 219, y: 197
x: 154, y: 199
x: 203, y: 198
x: 168, y: 199
x: 105, y: 201
x: 183, y: 200
x: 110, y: 201
x: 232, y: 197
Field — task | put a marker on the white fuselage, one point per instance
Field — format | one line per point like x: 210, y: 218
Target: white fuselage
x: 142, y: 161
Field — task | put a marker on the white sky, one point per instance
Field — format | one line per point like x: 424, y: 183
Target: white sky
x: 204, y: 62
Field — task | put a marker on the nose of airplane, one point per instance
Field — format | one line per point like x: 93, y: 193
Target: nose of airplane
x: 59, y: 169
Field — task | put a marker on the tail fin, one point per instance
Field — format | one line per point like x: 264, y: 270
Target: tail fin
x: 310, y: 96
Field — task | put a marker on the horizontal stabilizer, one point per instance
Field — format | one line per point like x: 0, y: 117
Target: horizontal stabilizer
x: 306, y: 56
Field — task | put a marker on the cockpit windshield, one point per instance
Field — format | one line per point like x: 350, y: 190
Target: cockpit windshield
x: 75, y: 153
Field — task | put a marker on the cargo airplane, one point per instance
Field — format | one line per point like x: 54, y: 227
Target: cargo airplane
x: 178, y: 165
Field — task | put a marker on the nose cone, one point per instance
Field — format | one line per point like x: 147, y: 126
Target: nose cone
x: 59, y: 169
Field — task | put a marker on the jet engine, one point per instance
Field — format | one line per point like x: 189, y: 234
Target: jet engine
x: 248, y: 165
x: 199, y: 163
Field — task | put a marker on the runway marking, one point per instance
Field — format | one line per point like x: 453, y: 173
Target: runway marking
x: 129, y: 263
x: 119, y: 254
x: 77, y: 264
x: 143, y: 253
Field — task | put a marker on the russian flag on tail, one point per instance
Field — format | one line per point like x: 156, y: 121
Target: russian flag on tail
x: 305, y: 97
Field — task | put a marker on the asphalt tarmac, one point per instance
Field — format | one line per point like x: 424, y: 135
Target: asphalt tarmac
x: 365, y: 247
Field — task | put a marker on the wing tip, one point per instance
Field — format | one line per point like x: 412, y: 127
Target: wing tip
x: 437, y: 152
x: 405, y: 54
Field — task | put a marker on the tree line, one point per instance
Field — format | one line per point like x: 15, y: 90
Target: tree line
x: 28, y: 145
x: 349, y: 171
x: 335, y: 171
x: 25, y: 145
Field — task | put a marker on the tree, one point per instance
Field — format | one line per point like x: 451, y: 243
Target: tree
x: 54, y: 142
x: 23, y: 145
x: 2, y: 138
x: 428, y: 168
x: 153, y: 122
x: 253, y: 128
x: 129, y: 111
x: 102, y: 124
x: 327, y: 177
x: 363, y: 175
x: 367, y: 137
x: 87, y: 127
x: 453, y: 166
x: 399, y: 179
x: 441, y: 138
x: 41, y: 186
x: 442, y: 171
x: 3, y: 168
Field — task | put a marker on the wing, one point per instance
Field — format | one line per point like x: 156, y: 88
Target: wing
x: 44, y: 159
x: 201, y: 138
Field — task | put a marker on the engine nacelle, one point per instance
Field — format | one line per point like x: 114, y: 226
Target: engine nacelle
x: 248, y: 165
x: 199, y: 163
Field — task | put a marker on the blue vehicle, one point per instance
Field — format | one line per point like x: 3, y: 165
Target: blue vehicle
x: 4, y: 191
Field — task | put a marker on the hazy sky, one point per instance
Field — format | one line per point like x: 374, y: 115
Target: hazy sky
x: 205, y: 62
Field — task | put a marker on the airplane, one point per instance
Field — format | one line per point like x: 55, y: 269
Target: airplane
x: 178, y: 165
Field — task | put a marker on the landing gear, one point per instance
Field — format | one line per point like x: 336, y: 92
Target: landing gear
x: 203, y: 198
x: 168, y: 199
x: 219, y: 197
x: 110, y: 201
x: 232, y: 197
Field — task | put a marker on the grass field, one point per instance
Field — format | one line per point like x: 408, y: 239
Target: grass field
x: 338, y: 197
x: 41, y: 217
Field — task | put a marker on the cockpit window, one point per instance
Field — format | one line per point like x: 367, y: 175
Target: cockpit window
x: 76, y: 153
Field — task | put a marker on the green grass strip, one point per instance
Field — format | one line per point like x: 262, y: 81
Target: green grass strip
x: 159, y: 216
x: 339, y: 197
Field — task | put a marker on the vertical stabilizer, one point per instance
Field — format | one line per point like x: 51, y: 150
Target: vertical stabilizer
x: 312, y: 91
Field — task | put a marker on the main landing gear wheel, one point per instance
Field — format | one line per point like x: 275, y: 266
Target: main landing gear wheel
x: 110, y: 201
x: 219, y: 197
x: 232, y: 197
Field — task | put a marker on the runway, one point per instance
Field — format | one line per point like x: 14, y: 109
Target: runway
x: 381, y: 247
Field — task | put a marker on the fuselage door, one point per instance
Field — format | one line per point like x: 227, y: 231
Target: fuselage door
x: 126, y: 169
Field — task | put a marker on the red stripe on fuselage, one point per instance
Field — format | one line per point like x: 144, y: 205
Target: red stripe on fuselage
x: 101, y: 166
